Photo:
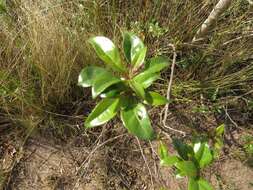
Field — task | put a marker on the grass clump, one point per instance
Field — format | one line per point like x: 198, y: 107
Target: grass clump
x: 44, y: 46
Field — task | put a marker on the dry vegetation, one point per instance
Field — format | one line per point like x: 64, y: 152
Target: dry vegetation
x: 43, y: 47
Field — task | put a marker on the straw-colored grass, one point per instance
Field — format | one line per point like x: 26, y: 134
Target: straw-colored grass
x: 44, y: 46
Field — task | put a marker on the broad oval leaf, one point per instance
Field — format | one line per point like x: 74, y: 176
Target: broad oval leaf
x: 110, y: 93
x: 155, y: 99
x: 203, y: 154
x: 127, y: 46
x: 103, y: 112
x: 166, y: 159
x: 89, y: 74
x: 127, y: 100
x: 2, y: 6
x: 102, y: 82
x: 198, y: 184
x: 136, y: 120
x: 140, y: 58
x: 219, y: 131
x: 107, y: 52
x: 187, y: 168
x: 179, y: 174
x: 138, y: 89
x: 113, y: 90
x: 193, y: 184
x: 183, y: 149
x: 156, y: 64
x: 134, y: 49
x: 169, y: 161
x: 146, y: 78
x: 163, y: 151
x: 204, y: 185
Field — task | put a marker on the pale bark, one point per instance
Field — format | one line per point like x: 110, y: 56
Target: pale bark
x: 250, y: 2
x: 220, y: 8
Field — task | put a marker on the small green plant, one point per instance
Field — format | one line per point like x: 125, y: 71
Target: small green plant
x: 189, y: 162
x: 218, y: 140
x: 2, y: 6
x: 156, y: 30
x: 123, y: 87
x: 248, y: 144
x: 192, y: 159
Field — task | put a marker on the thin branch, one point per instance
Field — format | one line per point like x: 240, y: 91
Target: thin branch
x: 232, y: 121
x: 145, y: 160
x: 166, y: 108
x: 250, y: 2
x: 220, y: 8
x: 236, y: 39
x: 85, y: 163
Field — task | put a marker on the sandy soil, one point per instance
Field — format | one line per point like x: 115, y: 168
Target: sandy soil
x: 106, y: 165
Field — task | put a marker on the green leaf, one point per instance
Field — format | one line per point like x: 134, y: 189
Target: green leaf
x: 2, y: 6
x: 169, y: 161
x: 127, y: 101
x: 193, y: 184
x: 136, y: 120
x: 110, y: 93
x: 89, y: 74
x: 102, y: 82
x: 187, y: 168
x: 156, y: 64
x: 183, y: 149
x: 163, y: 152
x: 127, y: 45
x: 134, y: 49
x: 179, y: 174
x: 166, y: 159
x: 139, y: 60
x: 204, y: 185
x: 155, y: 99
x: 219, y: 131
x: 198, y: 150
x: 138, y: 89
x: 217, y: 147
x: 198, y: 184
x: 203, y: 154
x: 103, y: 112
x: 113, y: 90
x: 107, y: 52
x: 146, y: 78
x: 151, y: 72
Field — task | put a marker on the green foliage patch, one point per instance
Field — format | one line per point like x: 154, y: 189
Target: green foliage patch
x: 123, y: 84
x: 192, y: 159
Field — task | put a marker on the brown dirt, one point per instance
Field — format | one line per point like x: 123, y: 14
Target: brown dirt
x: 47, y: 165
x: 109, y: 159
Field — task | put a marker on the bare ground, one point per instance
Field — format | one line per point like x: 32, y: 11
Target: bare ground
x: 46, y: 165
x: 109, y: 159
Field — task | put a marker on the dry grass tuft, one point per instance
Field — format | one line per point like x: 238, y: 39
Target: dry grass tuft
x: 44, y: 47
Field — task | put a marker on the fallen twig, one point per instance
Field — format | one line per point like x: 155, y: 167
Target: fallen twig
x: 145, y: 160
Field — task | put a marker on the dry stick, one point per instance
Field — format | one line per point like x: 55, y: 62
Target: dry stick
x: 238, y: 38
x: 166, y: 108
x: 250, y: 2
x: 98, y: 146
x: 145, y: 160
x: 220, y: 8
x: 232, y: 121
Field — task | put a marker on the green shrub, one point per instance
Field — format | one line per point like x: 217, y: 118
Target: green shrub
x: 124, y: 88
x: 192, y: 159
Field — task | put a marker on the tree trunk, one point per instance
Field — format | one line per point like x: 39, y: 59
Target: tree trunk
x: 221, y: 6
